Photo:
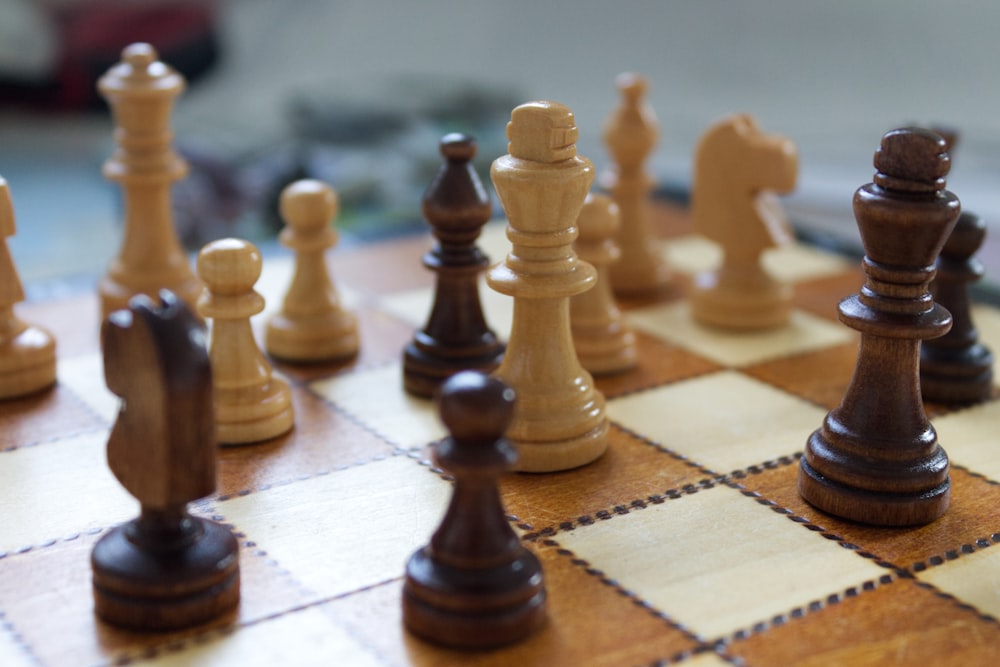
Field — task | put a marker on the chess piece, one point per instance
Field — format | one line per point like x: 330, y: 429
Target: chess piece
x: 474, y: 585
x: 141, y: 92
x: 957, y: 368
x: 604, y: 343
x: 250, y: 404
x: 27, y: 351
x: 312, y: 325
x: 738, y: 169
x: 456, y: 336
x: 559, y: 422
x: 876, y: 458
x: 165, y: 569
x: 630, y: 135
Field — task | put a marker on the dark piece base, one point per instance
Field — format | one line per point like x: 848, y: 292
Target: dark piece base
x: 423, y: 373
x: 958, y: 377
x: 166, y: 590
x: 476, y: 609
x: 870, y: 507
x: 958, y: 391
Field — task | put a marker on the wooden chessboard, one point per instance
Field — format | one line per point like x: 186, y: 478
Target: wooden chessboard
x: 686, y: 543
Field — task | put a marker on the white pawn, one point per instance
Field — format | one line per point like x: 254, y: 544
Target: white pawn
x: 311, y: 326
x: 604, y: 343
x: 27, y: 352
x: 250, y: 404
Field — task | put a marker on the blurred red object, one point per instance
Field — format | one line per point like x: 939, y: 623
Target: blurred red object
x: 91, y: 36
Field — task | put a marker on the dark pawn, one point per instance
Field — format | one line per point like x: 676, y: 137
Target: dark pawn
x: 876, y: 458
x: 474, y: 585
x: 456, y: 336
x: 957, y: 368
x: 166, y: 569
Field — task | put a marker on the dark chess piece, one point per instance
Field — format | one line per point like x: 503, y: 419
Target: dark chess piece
x: 957, y: 368
x: 165, y: 569
x: 876, y: 458
x: 474, y: 585
x: 456, y: 336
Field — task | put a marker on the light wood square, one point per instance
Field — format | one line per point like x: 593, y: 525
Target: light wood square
x: 791, y: 263
x: 717, y: 562
x: 343, y: 531
x: 725, y: 421
x: 412, y: 306
x: 970, y: 438
x: 972, y: 578
x: 84, y: 376
x: 987, y: 321
x: 673, y: 323
x: 376, y: 398
x: 493, y: 240
x: 275, y: 276
x: 59, y: 489
x: 707, y: 660
x: 319, y: 642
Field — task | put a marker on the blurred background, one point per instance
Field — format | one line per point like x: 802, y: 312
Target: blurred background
x: 358, y: 92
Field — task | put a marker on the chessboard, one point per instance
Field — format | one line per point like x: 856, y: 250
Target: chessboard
x: 686, y: 543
